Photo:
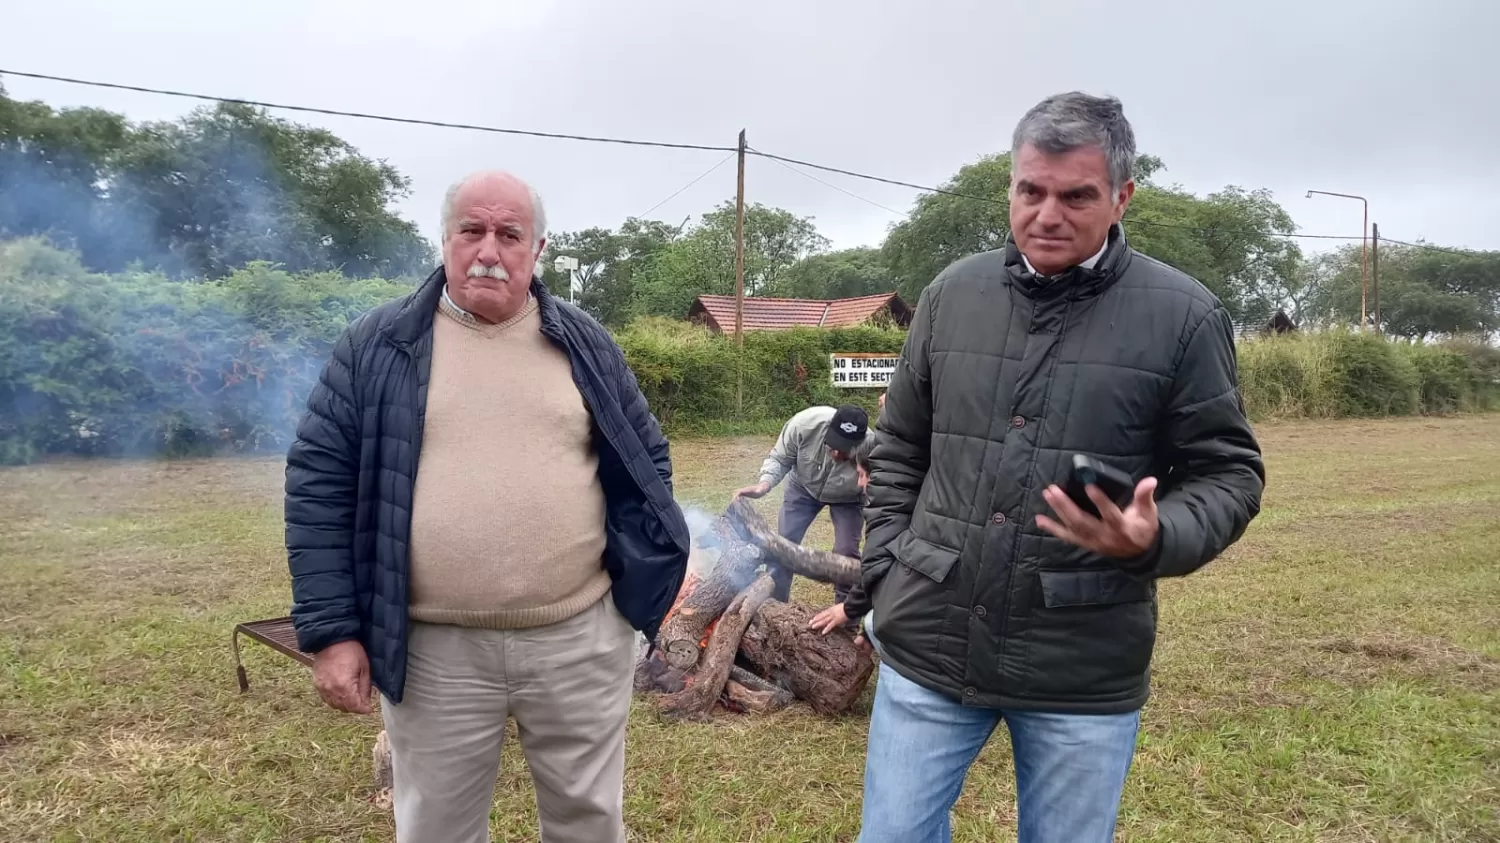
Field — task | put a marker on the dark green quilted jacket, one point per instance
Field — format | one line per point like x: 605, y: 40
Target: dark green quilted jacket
x: 1004, y: 376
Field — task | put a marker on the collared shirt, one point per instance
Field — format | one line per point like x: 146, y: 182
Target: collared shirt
x: 452, y: 309
x: 1087, y: 264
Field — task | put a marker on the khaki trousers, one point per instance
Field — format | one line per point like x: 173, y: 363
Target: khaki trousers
x: 568, y: 685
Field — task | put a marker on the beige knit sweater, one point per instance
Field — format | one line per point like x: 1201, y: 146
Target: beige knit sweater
x: 507, y: 523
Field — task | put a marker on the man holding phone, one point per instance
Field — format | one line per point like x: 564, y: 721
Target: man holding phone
x: 997, y: 598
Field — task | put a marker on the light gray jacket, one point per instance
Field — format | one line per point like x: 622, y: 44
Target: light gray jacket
x: 801, y: 452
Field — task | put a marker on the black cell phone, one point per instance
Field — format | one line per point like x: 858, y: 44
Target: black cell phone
x: 1114, y: 483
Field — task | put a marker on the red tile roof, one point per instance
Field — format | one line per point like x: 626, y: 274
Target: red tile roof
x: 768, y: 314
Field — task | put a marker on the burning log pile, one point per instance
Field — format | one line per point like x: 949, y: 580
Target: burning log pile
x: 726, y: 641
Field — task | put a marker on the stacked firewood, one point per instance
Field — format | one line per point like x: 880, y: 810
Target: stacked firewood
x: 725, y: 641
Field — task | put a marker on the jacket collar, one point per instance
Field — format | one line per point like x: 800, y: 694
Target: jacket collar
x: 414, y: 319
x: 1076, y: 282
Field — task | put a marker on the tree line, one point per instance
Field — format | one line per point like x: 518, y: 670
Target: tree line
x: 135, y: 362
x: 1233, y: 240
x: 228, y: 185
x: 201, y: 196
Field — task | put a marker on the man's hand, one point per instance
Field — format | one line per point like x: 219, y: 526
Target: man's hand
x: 341, y: 673
x: 863, y: 644
x: 834, y: 617
x: 759, y: 490
x: 1117, y: 534
x: 829, y: 619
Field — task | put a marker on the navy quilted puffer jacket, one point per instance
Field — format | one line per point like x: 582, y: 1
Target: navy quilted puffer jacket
x: 351, y: 471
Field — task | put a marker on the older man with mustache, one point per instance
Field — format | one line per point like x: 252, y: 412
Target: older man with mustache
x: 479, y: 515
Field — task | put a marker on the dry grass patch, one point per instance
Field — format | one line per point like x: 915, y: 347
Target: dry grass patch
x: 1336, y: 677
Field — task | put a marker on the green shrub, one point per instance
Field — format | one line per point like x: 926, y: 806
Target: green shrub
x: 1482, y: 369
x: 1371, y: 377
x: 1445, y: 383
x: 1287, y: 377
x: 138, y: 363
x: 1342, y: 373
x: 691, y: 376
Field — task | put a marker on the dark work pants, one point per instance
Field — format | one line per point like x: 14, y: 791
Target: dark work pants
x: 798, y: 509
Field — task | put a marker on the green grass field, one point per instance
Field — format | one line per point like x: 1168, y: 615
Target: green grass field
x: 1335, y: 677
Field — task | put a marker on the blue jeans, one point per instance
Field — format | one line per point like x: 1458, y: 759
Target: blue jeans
x: 1070, y: 768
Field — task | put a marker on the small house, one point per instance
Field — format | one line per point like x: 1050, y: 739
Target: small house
x: 769, y: 314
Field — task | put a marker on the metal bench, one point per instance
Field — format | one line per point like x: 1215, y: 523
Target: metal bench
x: 279, y: 635
x: 276, y: 633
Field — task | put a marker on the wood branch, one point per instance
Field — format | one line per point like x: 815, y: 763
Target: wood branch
x: 734, y: 570
x: 718, y: 659
x: 756, y: 683
x: 742, y: 699
x: 654, y: 675
x: 749, y: 693
x: 828, y: 672
x: 651, y: 671
x: 382, y: 758
x: 813, y: 564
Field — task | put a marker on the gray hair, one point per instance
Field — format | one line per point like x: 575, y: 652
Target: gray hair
x: 538, y: 211
x: 1065, y: 122
x: 861, y: 453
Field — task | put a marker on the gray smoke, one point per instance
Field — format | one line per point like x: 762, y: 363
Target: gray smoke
x: 139, y: 364
x: 707, y: 547
x: 705, y: 551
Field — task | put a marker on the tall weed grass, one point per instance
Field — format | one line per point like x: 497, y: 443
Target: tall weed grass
x: 1346, y: 374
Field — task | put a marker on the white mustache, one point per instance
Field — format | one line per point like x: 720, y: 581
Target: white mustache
x: 479, y: 270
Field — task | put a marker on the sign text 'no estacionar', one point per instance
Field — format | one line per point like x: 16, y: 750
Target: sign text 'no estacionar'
x: 866, y: 371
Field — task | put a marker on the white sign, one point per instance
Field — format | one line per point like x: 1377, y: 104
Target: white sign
x: 861, y: 371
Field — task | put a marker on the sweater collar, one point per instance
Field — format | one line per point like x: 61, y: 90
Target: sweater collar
x: 414, y: 319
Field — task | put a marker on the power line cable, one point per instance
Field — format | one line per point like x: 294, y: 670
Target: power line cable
x: 365, y: 116
x: 808, y: 175
x: 868, y: 177
x: 1213, y: 230
x: 1005, y: 203
x: 784, y: 160
x: 679, y: 190
x: 1451, y: 251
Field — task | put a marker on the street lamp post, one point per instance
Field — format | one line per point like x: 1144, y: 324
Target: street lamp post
x: 567, y: 264
x: 1364, y: 252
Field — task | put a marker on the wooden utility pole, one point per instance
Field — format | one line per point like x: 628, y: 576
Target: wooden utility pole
x: 739, y: 278
x: 739, y: 249
x: 1375, y: 271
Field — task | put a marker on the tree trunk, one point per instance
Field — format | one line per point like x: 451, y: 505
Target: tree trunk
x: 687, y: 624
x: 718, y: 660
x: 814, y: 564
x: 828, y: 672
x: 689, y: 581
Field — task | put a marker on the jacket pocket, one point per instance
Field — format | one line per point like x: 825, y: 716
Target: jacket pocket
x: 1090, y: 637
x: 645, y: 564
x: 926, y: 558
x: 1104, y: 587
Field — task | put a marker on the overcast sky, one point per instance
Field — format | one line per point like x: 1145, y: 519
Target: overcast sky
x: 1396, y: 100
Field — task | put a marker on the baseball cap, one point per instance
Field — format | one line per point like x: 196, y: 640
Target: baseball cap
x: 848, y: 428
